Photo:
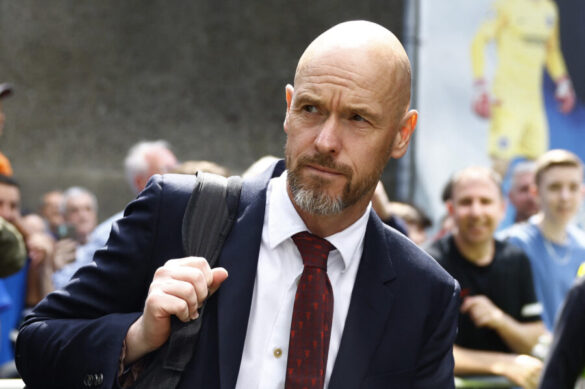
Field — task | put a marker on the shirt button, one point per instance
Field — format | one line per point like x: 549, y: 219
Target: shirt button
x: 277, y: 352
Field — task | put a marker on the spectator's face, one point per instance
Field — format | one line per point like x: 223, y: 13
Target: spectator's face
x: 52, y: 209
x: 9, y: 202
x: 160, y: 161
x: 522, y: 196
x: 560, y: 192
x: 342, y: 128
x: 416, y: 233
x: 80, y: 212
x: 477, y: 208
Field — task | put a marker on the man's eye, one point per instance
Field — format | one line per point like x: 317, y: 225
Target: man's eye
x: 310, y: 108
x: 357, y: 118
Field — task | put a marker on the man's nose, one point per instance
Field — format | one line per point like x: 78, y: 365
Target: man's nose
x: 476, y: 208
x: 565, y: 193
x: 328, y: 139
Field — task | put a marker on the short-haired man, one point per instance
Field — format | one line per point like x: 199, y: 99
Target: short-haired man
x: 145, y: 159
x: 555, y: 248
x: 50, y: 211
x: 522, y: 195
x: 500, y: 315
x: 379, y: 311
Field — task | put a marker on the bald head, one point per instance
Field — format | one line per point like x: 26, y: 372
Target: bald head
x: 371, y: 49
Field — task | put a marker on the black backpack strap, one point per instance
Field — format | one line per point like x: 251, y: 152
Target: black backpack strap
x: 210, y: 213
x: 209, y: 216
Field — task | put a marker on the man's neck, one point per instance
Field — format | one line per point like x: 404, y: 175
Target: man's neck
x: 552, y: 230
x: 480, y: 254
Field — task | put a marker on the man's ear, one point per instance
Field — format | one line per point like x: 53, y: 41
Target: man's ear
x: 534, y: 191
x: 289, y: 91
x: 404, y: 134
x: 450, y: 208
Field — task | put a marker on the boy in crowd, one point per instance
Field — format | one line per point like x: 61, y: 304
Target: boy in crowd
x: 554, y: 247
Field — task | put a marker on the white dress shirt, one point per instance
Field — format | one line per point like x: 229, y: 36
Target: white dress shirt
x: 280, y: 266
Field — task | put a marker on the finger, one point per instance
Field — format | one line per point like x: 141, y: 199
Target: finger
x: 468, y: 303
x: 196, y: 277
x: 180, y: 289
x: 193, y: 262
x: 161, y: 305
x: 219, y: 276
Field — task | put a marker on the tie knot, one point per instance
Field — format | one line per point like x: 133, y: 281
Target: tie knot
x: 314, y: 250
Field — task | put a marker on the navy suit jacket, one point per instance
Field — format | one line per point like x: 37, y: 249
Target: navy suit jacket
x: 399, y: 330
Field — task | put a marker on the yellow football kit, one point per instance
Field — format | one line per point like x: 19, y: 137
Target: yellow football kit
x: 527, y: 39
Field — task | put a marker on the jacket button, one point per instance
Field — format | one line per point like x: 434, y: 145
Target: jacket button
x: 98, y: 379
x: 88, y: 381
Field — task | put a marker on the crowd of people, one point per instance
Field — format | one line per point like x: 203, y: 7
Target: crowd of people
x: 514, y: 277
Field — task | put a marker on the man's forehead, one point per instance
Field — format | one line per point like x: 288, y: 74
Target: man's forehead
x: 5, y: 188
x: 473, y: 182
x: 562, y: 171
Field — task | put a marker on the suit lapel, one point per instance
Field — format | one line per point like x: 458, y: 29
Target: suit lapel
x: 369, y: 309
x: 240, y: 257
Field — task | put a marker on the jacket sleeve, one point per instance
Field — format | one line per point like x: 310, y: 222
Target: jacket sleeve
x: 436, y: 366
x: 566, y: 359
x: 73, y: 338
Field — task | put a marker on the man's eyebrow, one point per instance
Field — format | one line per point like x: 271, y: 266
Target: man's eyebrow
x: 307, y: 98
x: 364, y: 110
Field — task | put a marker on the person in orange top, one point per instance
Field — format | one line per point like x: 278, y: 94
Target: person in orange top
x: 5, y: 167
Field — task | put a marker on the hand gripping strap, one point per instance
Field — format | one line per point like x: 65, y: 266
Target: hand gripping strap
x: 209, y: 216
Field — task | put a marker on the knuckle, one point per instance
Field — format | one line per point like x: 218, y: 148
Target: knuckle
x: 198, y: 276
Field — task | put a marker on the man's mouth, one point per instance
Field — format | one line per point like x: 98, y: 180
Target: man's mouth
x: 323, y: 170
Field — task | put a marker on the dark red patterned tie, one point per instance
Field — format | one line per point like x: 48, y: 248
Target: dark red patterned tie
x: 312, y: 315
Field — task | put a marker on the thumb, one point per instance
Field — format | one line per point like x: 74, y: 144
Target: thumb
x: 219, y: 275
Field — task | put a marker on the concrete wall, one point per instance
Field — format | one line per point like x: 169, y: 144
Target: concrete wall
x: 93, y: 78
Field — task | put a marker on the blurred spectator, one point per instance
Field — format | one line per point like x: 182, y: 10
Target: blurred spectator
x: 446, y: 224
x: 190, y: 167
x: 500, y: 319
x: 416, y: 220
x: 51, y: 211
x: 566, y: 359
x: 12, y: 288
x: 522, y: 192
x: 145, y: 159
x: 381, y: 204
x: 79, y: 208
x: 555, y: 248
x: 5, y: 91
x: 13, y: 256
x: 40, y: 248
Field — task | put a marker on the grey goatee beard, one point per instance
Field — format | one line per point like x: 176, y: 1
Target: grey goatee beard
x: 313, y: 201
x: 309, y: 195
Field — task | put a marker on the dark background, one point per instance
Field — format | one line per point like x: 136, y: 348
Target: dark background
x: 93, y: 78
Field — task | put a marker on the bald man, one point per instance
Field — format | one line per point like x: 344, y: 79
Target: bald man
x: 378, y: 311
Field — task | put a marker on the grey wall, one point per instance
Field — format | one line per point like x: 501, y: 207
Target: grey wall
x: 93, y: 78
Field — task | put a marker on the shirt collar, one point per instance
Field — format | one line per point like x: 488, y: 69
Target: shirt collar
x: 348, y: 241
